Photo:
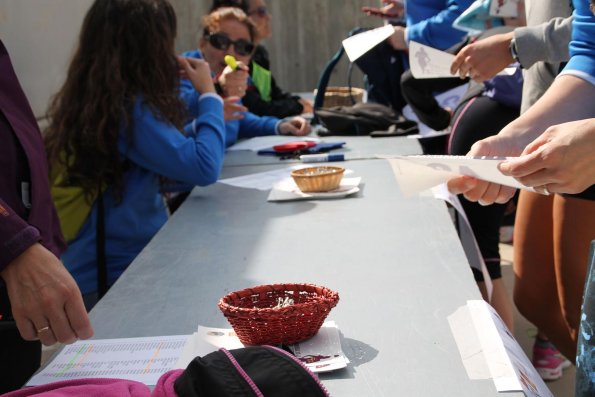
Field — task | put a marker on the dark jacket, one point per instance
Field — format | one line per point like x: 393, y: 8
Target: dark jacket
x: 27, y: 215
x: 282, y: 104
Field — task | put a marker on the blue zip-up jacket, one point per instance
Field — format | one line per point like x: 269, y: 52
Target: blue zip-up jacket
x: 429, y: 22
x: 582, y: 44
x: 157, y: 149
x: 250, y: 126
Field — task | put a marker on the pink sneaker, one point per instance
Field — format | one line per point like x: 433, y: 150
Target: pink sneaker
x: 549, y: 362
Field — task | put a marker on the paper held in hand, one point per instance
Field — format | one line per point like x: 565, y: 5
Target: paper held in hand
x: 357, y: 45
x: 429, y: 63
x: 415, y: 174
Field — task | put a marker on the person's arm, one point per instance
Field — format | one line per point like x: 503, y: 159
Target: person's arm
x: 485, y: 58
x: 194, y: 159
x: 568, y: 99
x: 437, y: 31
x: 41, y: 291
x: 547, y: 42
x: 252, y: 125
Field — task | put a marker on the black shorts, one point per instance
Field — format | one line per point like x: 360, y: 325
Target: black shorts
x: 588, y: 194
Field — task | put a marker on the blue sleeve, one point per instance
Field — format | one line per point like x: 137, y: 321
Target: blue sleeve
x: 190, y: 97
x: 252, y: 125
x: 582, y: 44
x: 159, y: 146
x: 437, y: 31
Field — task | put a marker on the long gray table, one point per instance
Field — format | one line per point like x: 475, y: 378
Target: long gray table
x: 396, y: 263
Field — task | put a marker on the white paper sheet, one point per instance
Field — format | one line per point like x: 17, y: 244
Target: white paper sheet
x: 139, y: 359
x: 429, y: 63
x: 504, y: 8
x: 321, y: 353
x: 357, y: 45
x: 417, y: 173
x: 490, y: 351
x: 264, y: 142
x: 261, y: 180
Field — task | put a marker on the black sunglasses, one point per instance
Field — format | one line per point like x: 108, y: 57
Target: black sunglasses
x: 261, y: 11
x: 221, y: 41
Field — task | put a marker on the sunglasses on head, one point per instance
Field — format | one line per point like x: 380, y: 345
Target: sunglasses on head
x: 261, y: 11
x: 221, y: 41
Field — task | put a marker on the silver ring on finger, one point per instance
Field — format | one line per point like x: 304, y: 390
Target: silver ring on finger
x: 43, y: 329
x: 544, y: 190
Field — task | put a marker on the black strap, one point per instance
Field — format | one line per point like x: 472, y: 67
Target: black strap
x: 328, y: 69
x: 100, y: 248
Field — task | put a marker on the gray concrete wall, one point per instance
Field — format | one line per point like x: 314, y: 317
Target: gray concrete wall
x: 40, y: 36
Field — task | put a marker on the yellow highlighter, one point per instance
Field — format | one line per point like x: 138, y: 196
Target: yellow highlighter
x: 231, y: 62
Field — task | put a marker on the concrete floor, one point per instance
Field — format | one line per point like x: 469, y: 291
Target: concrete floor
x: 525, y: 331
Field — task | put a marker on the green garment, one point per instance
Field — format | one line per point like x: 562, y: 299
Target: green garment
x: 71, y: 204
x: 261, y: 78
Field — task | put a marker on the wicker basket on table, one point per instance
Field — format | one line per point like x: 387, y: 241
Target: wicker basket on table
x: 342, y: 96
x: 257, y: 317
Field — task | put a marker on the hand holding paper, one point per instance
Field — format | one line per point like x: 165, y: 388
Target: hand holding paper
x: 417, y: 173
x: 429, y: 63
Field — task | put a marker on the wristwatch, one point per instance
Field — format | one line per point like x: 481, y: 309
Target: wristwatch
x: 513, y: 51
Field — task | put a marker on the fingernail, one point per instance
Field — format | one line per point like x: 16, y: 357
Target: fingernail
x: 504, y: 167
x: 483, y: 203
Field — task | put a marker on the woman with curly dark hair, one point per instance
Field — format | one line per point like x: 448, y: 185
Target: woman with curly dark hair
x: 115, y: 132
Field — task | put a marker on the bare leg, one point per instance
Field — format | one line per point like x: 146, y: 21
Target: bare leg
x: 535, y: 289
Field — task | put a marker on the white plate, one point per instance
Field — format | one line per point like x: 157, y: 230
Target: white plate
x: 341, y: 191
x: 287, y: 190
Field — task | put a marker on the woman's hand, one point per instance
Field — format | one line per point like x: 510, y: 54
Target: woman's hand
x: 561, y: 160
x: 198, y: 72
x: 232, y: 109
x: 46, y: 302
x: 297, y: 126
x: 483, y: 59
x: 234, y: 82
x: 479, y: 190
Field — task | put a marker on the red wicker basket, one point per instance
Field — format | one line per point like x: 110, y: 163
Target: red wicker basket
x: 257, y: 319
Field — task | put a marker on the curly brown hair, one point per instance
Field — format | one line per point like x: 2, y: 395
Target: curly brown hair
x: 125, y: 51
x: 212, y: 21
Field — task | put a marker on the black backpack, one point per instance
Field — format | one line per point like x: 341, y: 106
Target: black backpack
x: 248, y: 372
x: 364, y: 119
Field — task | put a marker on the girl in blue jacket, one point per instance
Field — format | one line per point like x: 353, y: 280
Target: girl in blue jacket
x: 115, y: 132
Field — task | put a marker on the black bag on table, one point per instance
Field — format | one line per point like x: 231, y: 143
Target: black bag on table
x: 248, y: 372
x: 364, y: 119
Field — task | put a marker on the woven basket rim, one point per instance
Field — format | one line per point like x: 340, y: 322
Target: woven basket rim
x: 335, y: 170
x: 331, y: 298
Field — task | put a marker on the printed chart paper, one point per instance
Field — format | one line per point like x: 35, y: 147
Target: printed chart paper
x: 140, y: 359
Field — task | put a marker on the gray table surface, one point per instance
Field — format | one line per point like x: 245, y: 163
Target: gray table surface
x: 397, y: 264
x: 355, y: 147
